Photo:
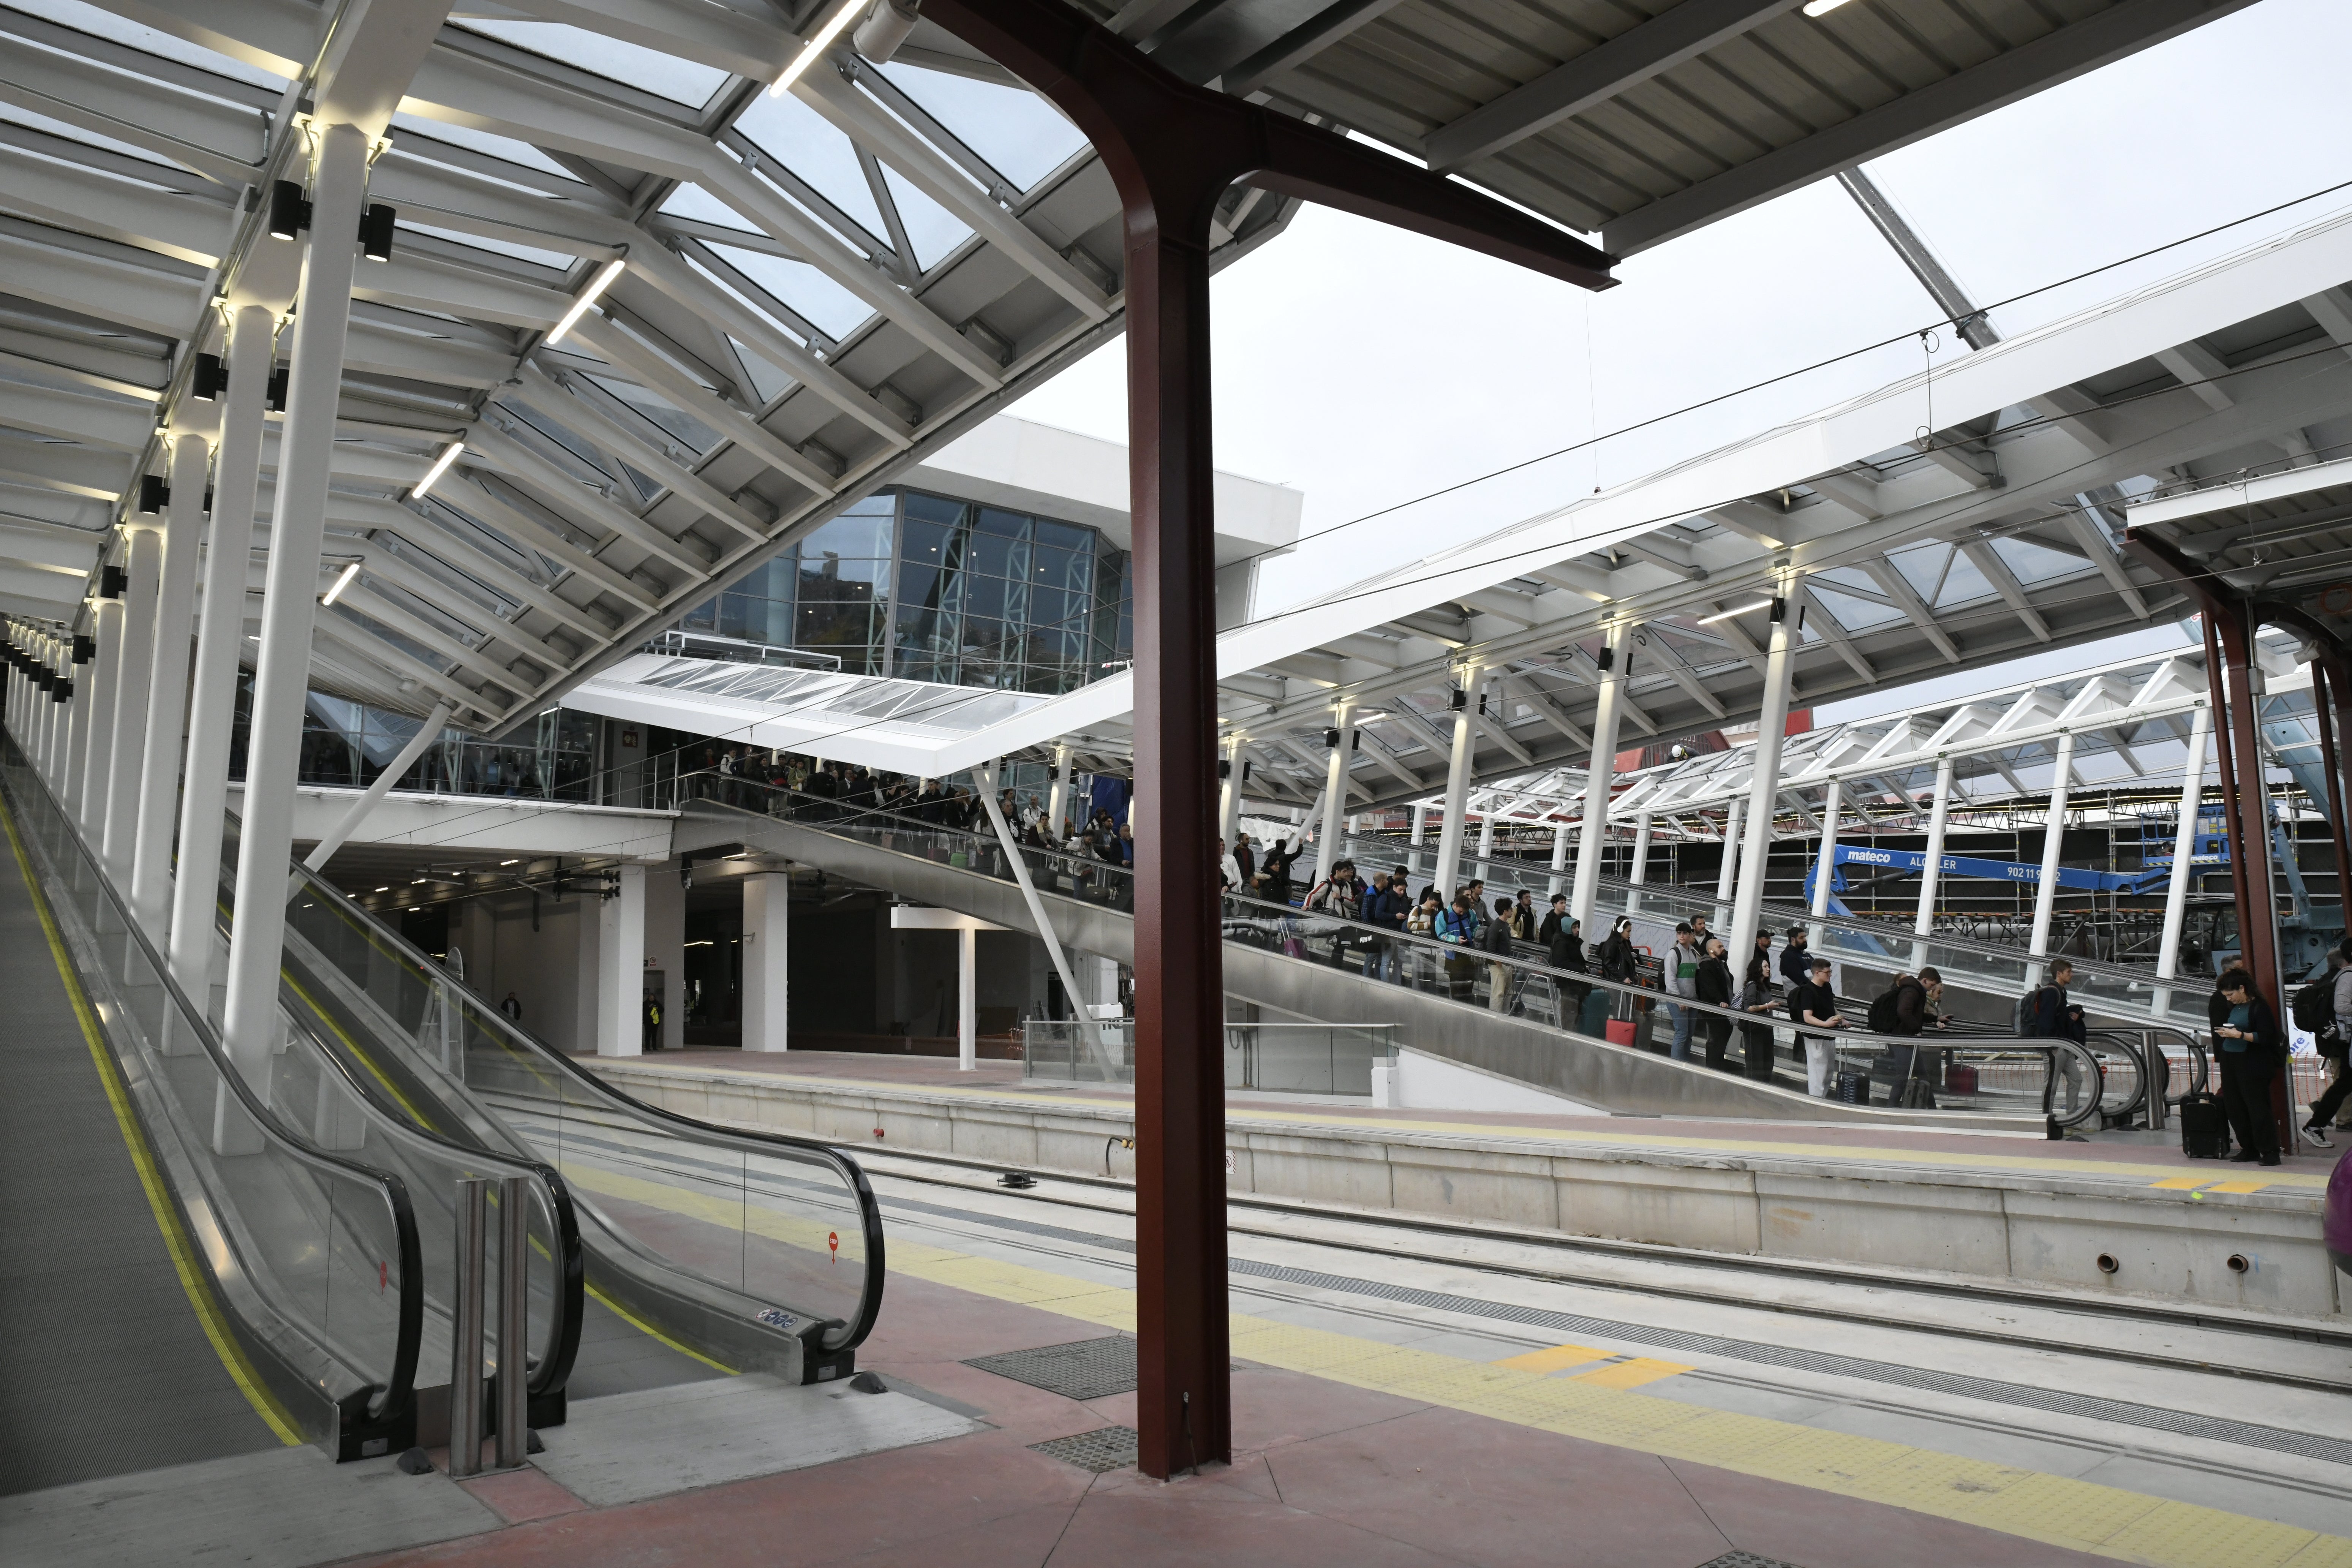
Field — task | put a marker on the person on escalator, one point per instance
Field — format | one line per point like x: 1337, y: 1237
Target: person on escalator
x: 1796, y: 964
x: 1816, y: 1004
x: 2050, y: 1016
x: 1756, y: 1000
x: 1565, y: 950
x: 1713, y: 988
x: 2332, y: 1046
x: 1616, y: 963
x: 2251, y: 1050
x: 1497, y: 940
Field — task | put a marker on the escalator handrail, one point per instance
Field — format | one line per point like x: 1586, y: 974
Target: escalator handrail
x: 869, y: 1209
x: 399, y: 1391
x: 570, y: 1292
x: 2047, y: 1050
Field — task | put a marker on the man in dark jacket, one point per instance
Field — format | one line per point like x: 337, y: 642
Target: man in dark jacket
x: 1496, y: 937
x: 1715, y: 989
x: 1553, y: 920
x: 1796, y: 964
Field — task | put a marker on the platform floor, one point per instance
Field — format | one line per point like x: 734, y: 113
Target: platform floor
x: 2131, y: 1158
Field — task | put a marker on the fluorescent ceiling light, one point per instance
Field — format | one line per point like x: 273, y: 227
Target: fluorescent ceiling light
x: 1822, y: 7
x: 510, y: 862
x: 816, y: 46
x: 449, y: 453
x: 342, y: 583
x: 1744, y: 609
x: 596, y: 284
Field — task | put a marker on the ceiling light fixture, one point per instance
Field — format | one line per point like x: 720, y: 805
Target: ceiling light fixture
x: 342, y: 583
x: 814, y: 48
x: 596, y: 284
x: 1726, y: 614
x: 1822, y: 7
x: 449, y: 453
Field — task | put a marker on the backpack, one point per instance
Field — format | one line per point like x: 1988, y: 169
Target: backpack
x: 1881, y: 1018
x: 2025, y: 1020
x: 2313, y: 1007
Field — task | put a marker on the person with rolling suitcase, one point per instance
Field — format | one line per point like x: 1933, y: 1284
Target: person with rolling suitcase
x: 2251, y: 1049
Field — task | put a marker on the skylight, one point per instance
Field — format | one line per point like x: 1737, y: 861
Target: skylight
x: 631, y: 64
x: 1023, y: 137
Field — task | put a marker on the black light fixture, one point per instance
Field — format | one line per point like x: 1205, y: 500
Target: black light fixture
x: 62, y: 691
x: 155, y: 495
x: 1606, y: 659
x: 1356, y: 741
x: 210, y: 379
x: 1224, y: 768
x: 85, y: 647
x: 1245, y: 770
x: 113, y: 581
x: 1332, y: 740
x: 289, y: 210
x: 278, y: 380
x: 1457, y: 698
x: 1780, y: 610
x: 375, y: 232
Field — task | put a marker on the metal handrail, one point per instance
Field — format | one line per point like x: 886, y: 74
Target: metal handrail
x: 741, y: 1139
x: 397, y: 1395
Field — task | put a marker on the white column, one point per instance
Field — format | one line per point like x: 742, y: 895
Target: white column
x: 968, y: 999
x: 767, y: 943
x: 2054, y: 831
x: 621, y: 965
x: 1419, y: 825
x: 74, y: 758
x: 393, y: 772
x: 1558, y: 858
x: 1931, y: 873
x: 1764, y: 786
x: 1726, y: 876
x: 1832, y: 802
x: 1598, y: 778
x: 1335, y: 795
x: 212, y: 699
x: 91, y: 787
x: 1641, y: 867
x: 2184, y: 841
x: 282, y: 669
x: 167, y: 688
x: 144, y: 559
x: 1229, y: 804
x: 1457, y: 792
x: 1057, y: 795
x: 1485, y: 838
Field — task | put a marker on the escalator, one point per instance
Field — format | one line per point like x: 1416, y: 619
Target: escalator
x: 1446, y: 1000
x: 317, y: 1199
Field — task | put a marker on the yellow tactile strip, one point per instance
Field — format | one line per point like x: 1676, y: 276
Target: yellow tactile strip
x: 2166, y: 1177
x: 2079, y: 1515
x: 1599, y: 1407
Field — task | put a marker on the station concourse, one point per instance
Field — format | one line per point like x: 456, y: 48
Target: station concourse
x: 646, y: 924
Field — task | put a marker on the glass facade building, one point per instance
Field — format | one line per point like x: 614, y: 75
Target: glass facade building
x: 924, y: 587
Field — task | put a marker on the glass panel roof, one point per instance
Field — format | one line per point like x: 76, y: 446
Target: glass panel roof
x: 631, y: 64
x: 807, y: 694
x: 834, y: 309
x: 1021, y: 135
x: 2034, y: 563
x: 932, y: 229
x: 785, y: 128
x: 106, y: 25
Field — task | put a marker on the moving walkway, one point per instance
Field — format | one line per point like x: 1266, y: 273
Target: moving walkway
x: 1442, y: 999
x: 320, y: 1199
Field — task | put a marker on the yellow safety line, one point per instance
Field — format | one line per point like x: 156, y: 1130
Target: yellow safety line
x: 366, y: 1060
x: 1851, y: 1153
x: 645, y: 1328
x: 177, y: 1241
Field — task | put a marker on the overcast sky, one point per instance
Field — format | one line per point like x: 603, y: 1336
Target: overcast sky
x: 1367, y: 367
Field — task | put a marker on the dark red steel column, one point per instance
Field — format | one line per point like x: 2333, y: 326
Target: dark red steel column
x: 2258, y: 938
x: 2224, y: 754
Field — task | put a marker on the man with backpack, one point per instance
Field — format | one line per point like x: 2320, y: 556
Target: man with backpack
x: 2331, y: 1037
x: 2045, y: 1013
x: 1682, y: 980
x: 1901, y: 1010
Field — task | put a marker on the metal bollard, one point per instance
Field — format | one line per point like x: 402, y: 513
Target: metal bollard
x: 514, y: 1320
x: 465, y: 1328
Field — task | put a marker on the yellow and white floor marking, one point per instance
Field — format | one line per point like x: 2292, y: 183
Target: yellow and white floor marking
x: 1597, y: 1402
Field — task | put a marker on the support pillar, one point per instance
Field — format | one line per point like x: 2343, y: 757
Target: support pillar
x: 1598, y: 778
x: 1726, y: 876
x: 2053, y: 833
x: 2249, y: 847
x: 105, y: 670
x: 1229, y: 803
x: 1764, y: 788
x: 74, y: 759
x: 1832, y: 804
x: 1419, y: 825
x: 167, y: 688
x: 1558, y: 859
x: 381, y: 785
x: 1639, y: 872
x: 968, y: 999
x: 2184, y: 843
x: 1457, y: 794
x: 1486, y: 842
x: 1931, y: 872
x: 212, y: 697
x: 282, y: 668
x: 1057, y: 797
x: 143, y: 560
x: 1328, y: 852
x: 620, y: 922
x: 767, y: 946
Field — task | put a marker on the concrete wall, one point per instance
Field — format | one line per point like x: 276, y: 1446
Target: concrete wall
x: 2026, y: 1227
x: 542, y: 968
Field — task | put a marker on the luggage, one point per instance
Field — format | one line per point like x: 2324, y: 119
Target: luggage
x: 1620, y: 1031
x: 2204, y: 1126
x: 1853, y: 1088
x: 1959, y: 1078
x: 1917, y: 1096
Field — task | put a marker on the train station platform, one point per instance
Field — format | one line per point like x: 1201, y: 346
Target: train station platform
x: 2124, y: 1215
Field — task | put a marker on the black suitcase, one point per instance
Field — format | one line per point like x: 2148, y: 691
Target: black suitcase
x: 2204, y: 1126
x: 1853, y: 1088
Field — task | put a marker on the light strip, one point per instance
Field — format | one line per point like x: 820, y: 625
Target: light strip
x: 335, y: 592
x: 440, y: 467
x: 1726, y: 614
x: 1822, y: 7
x: 596, y: 284
x: 816, y: 46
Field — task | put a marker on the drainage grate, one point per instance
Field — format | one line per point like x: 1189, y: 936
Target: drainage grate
x: 1109, y: 1448
x: 1089, y: 1368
